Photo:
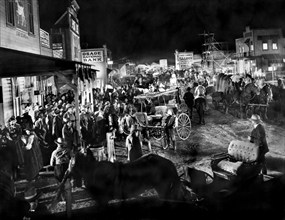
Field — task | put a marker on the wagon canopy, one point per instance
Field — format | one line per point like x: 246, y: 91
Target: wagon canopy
x: 151, y: 95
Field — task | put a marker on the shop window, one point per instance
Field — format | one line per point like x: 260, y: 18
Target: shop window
x: 10, y: 12
x: 264, y: 46
x: 274, y: 46
x: 31, y: 17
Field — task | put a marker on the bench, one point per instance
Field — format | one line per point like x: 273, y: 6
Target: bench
x: 240, y: 161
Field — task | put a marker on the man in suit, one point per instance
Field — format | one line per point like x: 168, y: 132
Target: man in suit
x: 258, y: 137
x: 189, y: 100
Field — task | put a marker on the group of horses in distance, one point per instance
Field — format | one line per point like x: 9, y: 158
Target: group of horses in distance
x: 244, y: 91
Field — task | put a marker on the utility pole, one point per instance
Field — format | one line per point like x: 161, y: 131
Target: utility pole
x: 211, y: 48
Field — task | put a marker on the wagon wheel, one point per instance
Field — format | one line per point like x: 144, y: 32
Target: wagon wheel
x: 156, y: 133
x: 183, y: 127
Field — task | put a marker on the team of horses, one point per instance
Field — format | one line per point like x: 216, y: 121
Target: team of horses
x: 244, y: 92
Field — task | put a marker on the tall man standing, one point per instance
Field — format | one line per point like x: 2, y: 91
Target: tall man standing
x: 189, y: 100
x: 200, y: 101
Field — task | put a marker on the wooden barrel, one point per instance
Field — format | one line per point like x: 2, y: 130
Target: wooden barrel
x: 98, y: 152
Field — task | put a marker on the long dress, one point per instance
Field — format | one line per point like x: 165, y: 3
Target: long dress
x: 136, y: 149
x: 33, y: 157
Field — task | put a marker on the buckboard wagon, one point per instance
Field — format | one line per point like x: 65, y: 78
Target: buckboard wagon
x: 232, y: 182
x: 162, y: 101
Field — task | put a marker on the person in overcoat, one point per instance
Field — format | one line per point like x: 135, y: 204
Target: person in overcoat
x: 258, y: 136
x: 189, y: 100
x: 68, y: 134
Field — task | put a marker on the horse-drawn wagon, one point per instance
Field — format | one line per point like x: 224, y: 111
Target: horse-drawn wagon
x: 153, y: 107
x: 252, y: 97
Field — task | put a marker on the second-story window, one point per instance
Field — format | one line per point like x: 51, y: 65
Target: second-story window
x: 274, y: 45
x: 10, y: 12
x: 264, y: 45
x: 19, y: 13
x: 31, y: 17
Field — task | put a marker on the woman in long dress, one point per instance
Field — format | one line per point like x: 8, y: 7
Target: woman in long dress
x: 33, y: 161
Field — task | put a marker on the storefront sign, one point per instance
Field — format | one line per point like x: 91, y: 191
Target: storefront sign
x: 22, y: 34
x: 93, y: 56
x: 184, y: 60
x: 96, y: 58
x: 57, y: 50
x: 44, y: 38
x: 163, y: 63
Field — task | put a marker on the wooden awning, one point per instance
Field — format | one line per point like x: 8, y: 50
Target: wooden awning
x: 15, y: 63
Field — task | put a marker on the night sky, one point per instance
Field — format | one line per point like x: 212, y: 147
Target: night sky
x: 155, y: 28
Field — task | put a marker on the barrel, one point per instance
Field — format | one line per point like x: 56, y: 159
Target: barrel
x: 98, y: 152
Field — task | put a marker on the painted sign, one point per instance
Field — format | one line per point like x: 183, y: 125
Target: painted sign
x: 184, y: 60
x: 44, y: 36
x: 96, y: 58
x: 163, y: 63
x: 93, y: 56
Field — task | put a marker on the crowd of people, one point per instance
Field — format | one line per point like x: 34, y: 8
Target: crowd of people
x: 51, y: 136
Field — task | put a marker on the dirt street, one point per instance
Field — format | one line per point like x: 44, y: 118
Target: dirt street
x: 215, y: 136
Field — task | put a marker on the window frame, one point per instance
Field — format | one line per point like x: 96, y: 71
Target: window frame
x: 10, y: 13
x: 274, y: 43
x: 30, y: 12
x: 263, y: 44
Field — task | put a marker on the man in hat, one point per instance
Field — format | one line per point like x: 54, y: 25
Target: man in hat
x: 258, y: 137
x: 68, y: 134
x: 200, y: 101
x: 69, y: 115
x: 168, y: 122
x: 60, y: 159
x: 57, y: 124
x: 40, y: 128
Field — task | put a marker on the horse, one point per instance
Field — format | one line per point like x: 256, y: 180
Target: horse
x: 246, y: 96
x: 107, y: 181
x: 224, y: 91
x: 264, y: 98
x: 8, y: 202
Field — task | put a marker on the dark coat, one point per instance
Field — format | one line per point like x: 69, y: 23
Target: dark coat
x: 57, y: 125
x: 189, y: 99
x: 33, y: 158
x: 258, y: 137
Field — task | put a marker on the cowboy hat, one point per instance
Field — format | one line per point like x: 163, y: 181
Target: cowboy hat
x: 59, y: 141
x: 255, y: 118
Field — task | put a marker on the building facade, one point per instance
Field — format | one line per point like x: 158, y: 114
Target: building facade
x: 261, y: 52
x: 19, y: 30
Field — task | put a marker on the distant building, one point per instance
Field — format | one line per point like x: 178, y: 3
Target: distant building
x: 65, y: 34
x: 261, y: 52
